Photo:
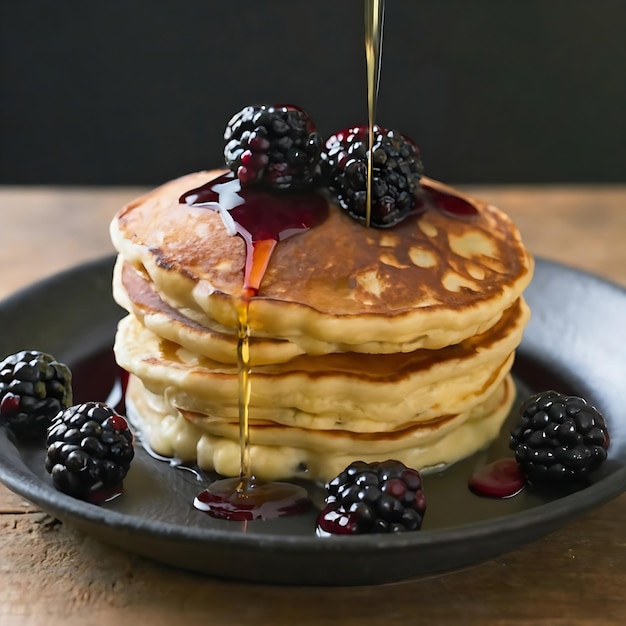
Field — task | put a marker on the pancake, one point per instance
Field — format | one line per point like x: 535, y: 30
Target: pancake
x: 431, y: 281
x: 278, y: 452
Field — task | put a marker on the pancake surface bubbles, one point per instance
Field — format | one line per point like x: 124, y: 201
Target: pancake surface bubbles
x: 437, y: 297
x: 431, y: 281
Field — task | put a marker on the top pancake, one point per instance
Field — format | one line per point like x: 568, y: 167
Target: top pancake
x: 432, y: 280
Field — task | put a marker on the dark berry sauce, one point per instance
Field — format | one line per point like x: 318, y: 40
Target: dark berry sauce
x: 10, y: 404
x: 239, y: 500
x: 99, y: 378
x: 500, y: 479
x: 262, y: 218
x: 445, y: 202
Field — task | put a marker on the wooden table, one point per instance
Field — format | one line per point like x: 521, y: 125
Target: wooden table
x: 50, y: 574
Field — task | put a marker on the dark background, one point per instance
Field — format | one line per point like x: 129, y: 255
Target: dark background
x: 139, y: 91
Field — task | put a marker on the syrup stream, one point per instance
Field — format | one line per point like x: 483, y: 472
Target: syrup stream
x: 261, y: 219
x: 244, y: 367
x: 374, y: 18
x: 246, y: 498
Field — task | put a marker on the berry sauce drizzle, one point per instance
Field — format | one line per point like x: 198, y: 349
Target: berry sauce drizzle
x: 103, y: 495
x: 448, y: 203
x: 262, y: 219
x: 499, y: 479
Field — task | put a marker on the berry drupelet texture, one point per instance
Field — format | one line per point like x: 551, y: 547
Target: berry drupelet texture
x: 384, y: 497
x: 396, y: 172
x: 34, y: 387
x: 559, y: 438
x: 90, y: 448
x: 273, y: 146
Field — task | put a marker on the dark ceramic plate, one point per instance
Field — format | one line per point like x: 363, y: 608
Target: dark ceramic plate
x: 574, y: 343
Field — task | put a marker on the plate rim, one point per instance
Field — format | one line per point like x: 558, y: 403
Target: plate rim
x: 26, y: 484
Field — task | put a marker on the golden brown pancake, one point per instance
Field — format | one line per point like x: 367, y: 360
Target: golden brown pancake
x: 433, y: 280
x: 347, y: 391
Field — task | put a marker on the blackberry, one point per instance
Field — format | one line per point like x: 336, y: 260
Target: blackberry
x: 34, y: 387
x: 90, y: 448
x: 558, y: 438
x: 382, y: 497
x: 396, y: 172
x: 273, y: 146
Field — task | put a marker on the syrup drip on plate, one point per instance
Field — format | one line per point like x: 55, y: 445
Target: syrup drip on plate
x: 262, y: 219
x: 499, y: 479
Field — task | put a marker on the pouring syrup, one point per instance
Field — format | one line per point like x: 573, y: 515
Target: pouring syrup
x: 374, y: 18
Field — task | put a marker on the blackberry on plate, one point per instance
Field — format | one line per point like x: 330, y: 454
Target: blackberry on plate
x: 558, y: 438
x: 396, y: 172
x: 34, y: 387
x: 273, y: 146
x: 383, y: 497
x: 90, y: 448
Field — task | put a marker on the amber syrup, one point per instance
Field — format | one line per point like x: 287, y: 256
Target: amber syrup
x: 374, y: 18
x: 262, y: 219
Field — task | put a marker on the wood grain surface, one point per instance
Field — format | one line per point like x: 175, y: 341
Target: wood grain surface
x: 51, y: 574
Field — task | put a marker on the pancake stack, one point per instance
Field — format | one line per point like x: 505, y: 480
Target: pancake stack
x: 366, y: 344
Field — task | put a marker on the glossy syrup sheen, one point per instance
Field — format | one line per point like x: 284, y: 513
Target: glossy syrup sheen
x: 499, y: 479
x: 259, y: 214
x: 241, y: 500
